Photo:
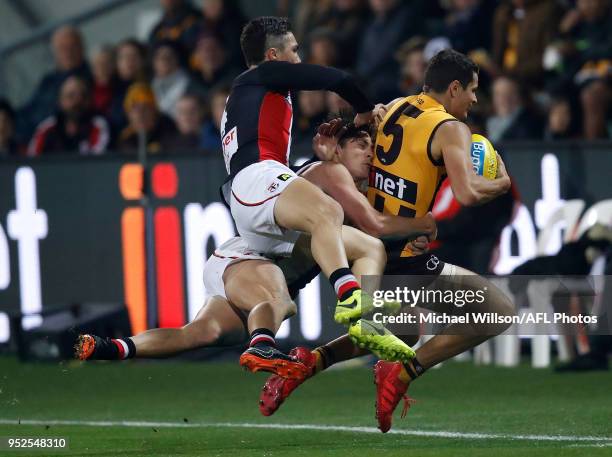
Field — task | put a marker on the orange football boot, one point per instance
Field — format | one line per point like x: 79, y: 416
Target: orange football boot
x: 274, y: 361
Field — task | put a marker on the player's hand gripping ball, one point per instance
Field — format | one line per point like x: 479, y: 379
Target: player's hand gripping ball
x: 484, y: 157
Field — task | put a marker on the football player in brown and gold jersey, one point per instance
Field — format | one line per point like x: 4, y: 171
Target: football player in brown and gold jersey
x: 420, y: 140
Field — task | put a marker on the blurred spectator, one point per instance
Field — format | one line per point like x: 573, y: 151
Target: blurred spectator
x: 561, y: 122
x: 467, y: 24
x: 521, y: 31
x: 131, y: 68
x: 8, y: 145
x: 211, y: 136
x: 511, y: 119
x: 309, y: 14
x: 209, y: 61
x: 477, y: 121
x: 587, y: 58
x: 224, y: 19
x: 336, y: 104
x: 143, y: 116
x: 393, y: 22
x: 74, y: 127
x: 323, y: 48
x: 347, y: 19
x: 67, y: 48
x: 170, y: 80
x: 103, y: 69
x: 312, y: 111
x: 189, y: 120
x: 411, y: 58
x: 179, y: 23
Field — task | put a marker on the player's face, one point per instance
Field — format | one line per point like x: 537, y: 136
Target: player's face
x: 288, y: 52
x: 464, y: 98
x: 356, y: 155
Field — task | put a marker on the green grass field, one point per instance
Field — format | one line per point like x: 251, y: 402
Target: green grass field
x: 206, y: 409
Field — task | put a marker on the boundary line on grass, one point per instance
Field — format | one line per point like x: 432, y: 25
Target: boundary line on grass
x: 314, y: 427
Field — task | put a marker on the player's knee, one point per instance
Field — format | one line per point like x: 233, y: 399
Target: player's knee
x: 201, y: 336
x: 280, y: 305
x: 377, y: 249
x: 328, y: 211
x: 290, y: 309
x: 287, y: 306
x: 211, y: 337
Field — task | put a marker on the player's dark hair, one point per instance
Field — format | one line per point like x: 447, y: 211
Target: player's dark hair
x: 258, y: 35
x: 352, y: 132
x: 448, y: 66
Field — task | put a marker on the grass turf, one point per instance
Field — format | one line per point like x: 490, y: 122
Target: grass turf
x: 458, y: 397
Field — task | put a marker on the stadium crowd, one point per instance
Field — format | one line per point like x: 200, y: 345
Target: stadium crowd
x: 546, y: 72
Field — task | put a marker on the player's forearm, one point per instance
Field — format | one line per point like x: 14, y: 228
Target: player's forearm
x: 484, y: 190
x: 410, y: 227
x: 284, y: 76
x: 348, y: 89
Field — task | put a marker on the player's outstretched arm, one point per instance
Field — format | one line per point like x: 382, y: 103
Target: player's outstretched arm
x: 454, y: 140
x: 337, y: 182
x: 285, y: 76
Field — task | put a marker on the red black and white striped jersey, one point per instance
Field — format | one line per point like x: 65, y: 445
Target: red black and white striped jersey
x: 256, y: 123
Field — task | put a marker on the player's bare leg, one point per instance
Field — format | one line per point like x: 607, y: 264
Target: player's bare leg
x: 393, y: 379
x: 216, y: 324
x: 259, y: 287
x: 303, y: 206
x: 368, y: 257
x: 457, y: 338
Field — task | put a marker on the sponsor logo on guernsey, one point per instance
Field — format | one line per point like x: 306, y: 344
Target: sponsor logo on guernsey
x: 229, y: 142
x: 284, y: 177
x: 393, y: 185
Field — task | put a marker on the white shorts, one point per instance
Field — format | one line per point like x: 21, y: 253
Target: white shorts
x: 233, y: 250
x: 254, y: 193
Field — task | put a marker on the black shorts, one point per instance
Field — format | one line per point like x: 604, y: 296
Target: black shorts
x: 425, y: 264
x: 300, y: 270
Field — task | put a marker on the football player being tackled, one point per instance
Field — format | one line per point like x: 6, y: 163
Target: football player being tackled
x: 420, y: 139
x: 248, y: 291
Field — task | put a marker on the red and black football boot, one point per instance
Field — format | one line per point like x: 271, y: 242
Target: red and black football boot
x: 276, y: 389
x: 390, y: 389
